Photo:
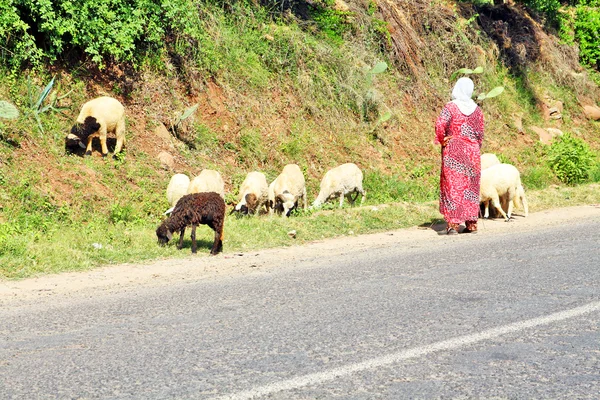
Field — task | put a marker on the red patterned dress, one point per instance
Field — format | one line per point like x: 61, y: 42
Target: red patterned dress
x: 461, y: 164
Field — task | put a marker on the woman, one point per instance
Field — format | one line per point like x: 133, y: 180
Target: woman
x: 459, y: 130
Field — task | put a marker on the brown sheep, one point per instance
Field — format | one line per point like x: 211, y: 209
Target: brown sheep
x: 194, y: 209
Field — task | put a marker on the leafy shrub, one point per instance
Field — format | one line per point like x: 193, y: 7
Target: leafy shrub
x: 571, y: 159
x: 102, y: 29
x: 587, y: 34
x: 123, y: 214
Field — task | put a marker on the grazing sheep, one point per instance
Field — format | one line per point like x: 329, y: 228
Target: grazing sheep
x: 341, y: 182
x: 254, y: 193
x: 488, y: 159
x: 96, y: 118
x: 498, y: 181
x: 288, y: 188
x: 195, y: 209
x: 208, y: 181
x: 177, y: 188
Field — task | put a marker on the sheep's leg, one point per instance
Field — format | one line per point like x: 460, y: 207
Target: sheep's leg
x: 120, y: 132
x: 88, y: 149
x: 523, y: 200
x: 194, y: 245
x: 511, y: 195
x: 181, y: 234
x: 102, y: 136
x: 341, y: 199
x: 364, y: 194
x: 498, y: 207
x: 305, y: 199
x: 218, y: 243
x: 486, y: 209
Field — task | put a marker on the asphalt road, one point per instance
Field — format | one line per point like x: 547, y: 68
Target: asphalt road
x: 501, y: 316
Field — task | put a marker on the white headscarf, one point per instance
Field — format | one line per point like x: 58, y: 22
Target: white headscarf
x: 461, y: 96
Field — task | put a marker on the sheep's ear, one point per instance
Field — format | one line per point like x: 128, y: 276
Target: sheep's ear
x: 169, y: 235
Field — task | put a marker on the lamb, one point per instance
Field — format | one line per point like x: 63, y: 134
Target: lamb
x: 177, y: 188
x: 498, y: 181
x: 254, y: 193
x: 341, y: 181
x: 287, y: 190
x: 488, y: 159
x: 195, y: 209
x: 96, y: 118
x: 208, y: 181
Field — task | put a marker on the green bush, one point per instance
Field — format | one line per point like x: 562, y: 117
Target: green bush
x: 587, y: 34
x: 571, y: 159
x: 117, y: 30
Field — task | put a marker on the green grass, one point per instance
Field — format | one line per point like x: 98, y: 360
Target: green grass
x: 66, y: 246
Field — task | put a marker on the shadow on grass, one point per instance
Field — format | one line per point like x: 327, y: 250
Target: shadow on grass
x: 203, y: 244
x: 435, y: 224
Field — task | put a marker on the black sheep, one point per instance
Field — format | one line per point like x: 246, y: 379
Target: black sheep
x: 195, y: 209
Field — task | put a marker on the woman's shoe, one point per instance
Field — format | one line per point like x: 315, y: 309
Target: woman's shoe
x: 451, y: 231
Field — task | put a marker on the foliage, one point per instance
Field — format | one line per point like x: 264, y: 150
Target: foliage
x: 587, y: 34
x: 332, y: 23
x: 549, y: 8
x: 102, y: 29
x: 570, y: 158
x: 36, y: 101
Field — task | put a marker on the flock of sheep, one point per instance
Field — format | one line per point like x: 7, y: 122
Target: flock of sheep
x: 201, y: 200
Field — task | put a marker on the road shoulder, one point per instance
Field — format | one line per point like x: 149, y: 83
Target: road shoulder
x: 126, y: 277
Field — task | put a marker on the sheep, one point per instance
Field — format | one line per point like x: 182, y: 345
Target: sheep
x: 488, y: 159
x: 254, y: 193
x: 498, y: 181
x: 341, y: 181
x: 287, y: 190
x: 208, y: 181
x: 195, y: 209
x: 96, y: 118
x: 177, y: 188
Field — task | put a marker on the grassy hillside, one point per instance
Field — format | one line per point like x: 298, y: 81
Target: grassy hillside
x: 273, y: 88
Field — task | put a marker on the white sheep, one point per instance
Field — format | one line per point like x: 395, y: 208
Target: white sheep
x: 177, y: 188
x: 488, y: 159
x: 208, y: 181
x: 96, y: 118
x: 287, y: 190
x: 498, y: 181
x: 254, y: 193
x: 341, y: 181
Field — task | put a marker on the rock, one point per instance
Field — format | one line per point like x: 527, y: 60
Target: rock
x: 292, y: 234
x: 340, y: 5
x: 545, y: 137
x: 554, y: 132
x: 518, y: 122
x: 554, y: 113
x: 592, y: 112
x: 166, y: 160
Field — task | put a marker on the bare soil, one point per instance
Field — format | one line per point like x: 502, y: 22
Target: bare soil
x: 126, y: 277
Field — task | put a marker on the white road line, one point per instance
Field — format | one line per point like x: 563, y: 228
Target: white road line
x: 455, y: 343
